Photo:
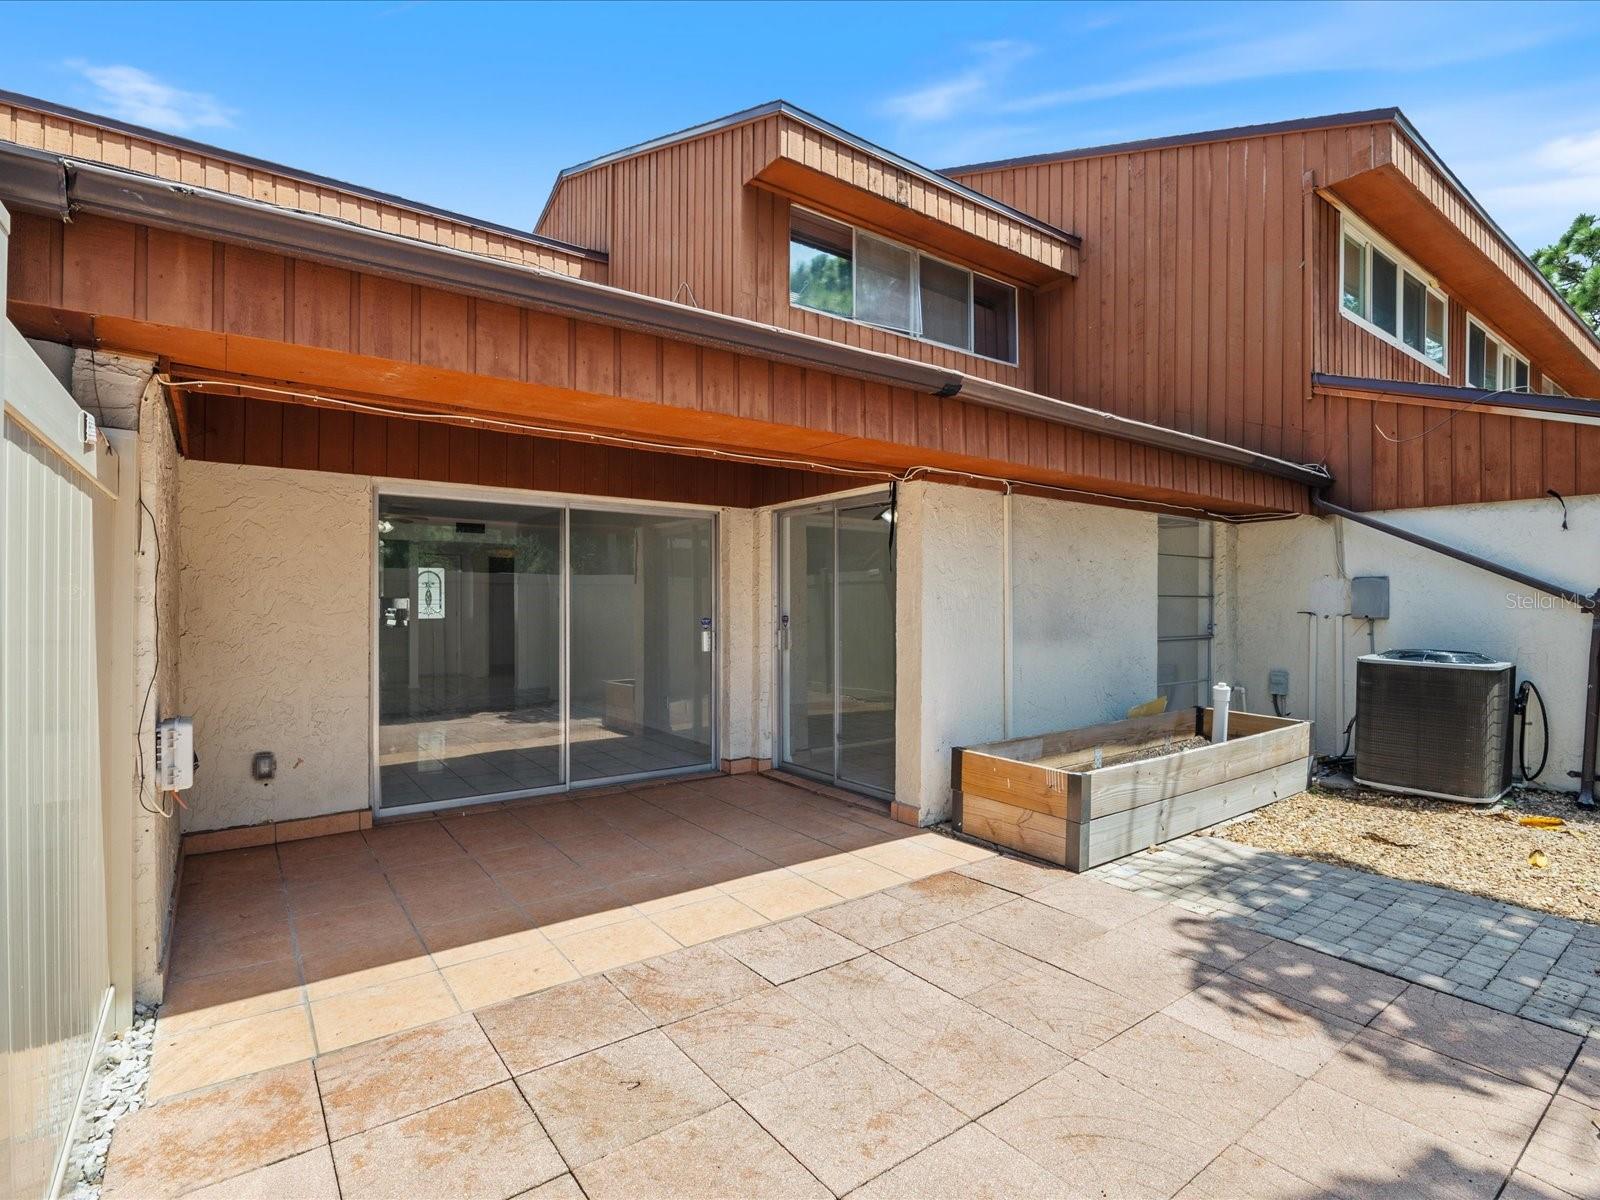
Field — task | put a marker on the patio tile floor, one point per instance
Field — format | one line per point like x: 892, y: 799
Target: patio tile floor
x: 1156, y: 1053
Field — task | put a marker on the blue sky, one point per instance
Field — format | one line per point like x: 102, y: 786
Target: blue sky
x: 476, y: 108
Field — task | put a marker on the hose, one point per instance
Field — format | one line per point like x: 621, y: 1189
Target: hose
x: 1523, y: 692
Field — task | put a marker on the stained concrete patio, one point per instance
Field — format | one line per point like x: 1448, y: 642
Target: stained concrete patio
x: 997, y: 1029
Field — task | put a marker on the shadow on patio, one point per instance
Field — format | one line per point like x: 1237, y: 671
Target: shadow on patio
x: 281, y: 952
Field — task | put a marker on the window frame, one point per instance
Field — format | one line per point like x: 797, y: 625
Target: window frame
x: 1506, y: 350
x: 1404, y: 266
x: 915, y: 332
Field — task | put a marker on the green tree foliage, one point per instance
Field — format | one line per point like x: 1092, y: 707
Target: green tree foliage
x: 1573, y: 265
x: 821, y: 281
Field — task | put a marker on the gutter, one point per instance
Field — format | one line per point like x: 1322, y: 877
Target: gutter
x: 1531, y: 403
x: 1589, y: 603
x: 63, y: 186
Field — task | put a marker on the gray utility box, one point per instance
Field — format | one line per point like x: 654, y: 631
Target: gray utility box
x: 1435, y: 723
x: 1369, y: 597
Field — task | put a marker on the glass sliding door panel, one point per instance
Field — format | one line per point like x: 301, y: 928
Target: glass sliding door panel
x: 865, y: 621
x: 807, y: 547
x: 640, y: 658
x: 469, y: 650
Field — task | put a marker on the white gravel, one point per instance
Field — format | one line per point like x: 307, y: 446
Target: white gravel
x: 116, y: 1088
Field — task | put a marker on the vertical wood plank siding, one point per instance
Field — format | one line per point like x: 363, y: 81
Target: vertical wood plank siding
x: 377, y: 336
x: 61, y: 135
x: 250, y: 430
x: 1208, y: 294
x: 681, y: 223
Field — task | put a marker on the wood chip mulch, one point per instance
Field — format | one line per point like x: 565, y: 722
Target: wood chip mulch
x: 1481, y: 851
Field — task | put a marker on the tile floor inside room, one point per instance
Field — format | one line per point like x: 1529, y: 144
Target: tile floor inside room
x: 283, y: 952
x: 994, y: 1029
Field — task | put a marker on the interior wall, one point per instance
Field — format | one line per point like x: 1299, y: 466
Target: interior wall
x: 1083, y: 636
x: 1279, y: 571
x: 276, y: 629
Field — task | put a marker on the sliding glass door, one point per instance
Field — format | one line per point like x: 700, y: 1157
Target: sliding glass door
x: 836, y: 622
x: 527, y: 648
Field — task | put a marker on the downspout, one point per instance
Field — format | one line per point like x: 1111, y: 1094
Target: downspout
x: 1007, y: 658
x: 1587, y: 603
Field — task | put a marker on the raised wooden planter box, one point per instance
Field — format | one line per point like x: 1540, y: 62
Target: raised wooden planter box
x: 1043, y: 796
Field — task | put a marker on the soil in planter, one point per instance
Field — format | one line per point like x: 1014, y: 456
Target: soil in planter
x: 1135, y: 754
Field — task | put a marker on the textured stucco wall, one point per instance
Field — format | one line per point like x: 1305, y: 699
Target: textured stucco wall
x: 276, y: 629
x: 156, y: 675
x: 741, y: 700
x: 1083, y: 585
x: 1083, y: 613
x: 1282, y: 567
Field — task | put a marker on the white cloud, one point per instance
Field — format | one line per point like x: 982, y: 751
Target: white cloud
x: 134, y: 94
x: 953, y: 96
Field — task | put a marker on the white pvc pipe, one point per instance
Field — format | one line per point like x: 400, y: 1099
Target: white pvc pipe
x: 1221, y: 696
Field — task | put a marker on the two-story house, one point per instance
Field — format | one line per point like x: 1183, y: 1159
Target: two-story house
x: 769, y: 449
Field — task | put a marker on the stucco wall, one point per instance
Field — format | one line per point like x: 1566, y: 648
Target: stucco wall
x: 155, y: 690
x: 741, y: 698
x: 276, y: 628
x: 1083, y: 581
x: 1277, y: 569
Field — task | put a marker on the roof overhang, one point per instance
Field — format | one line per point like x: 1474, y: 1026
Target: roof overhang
x: 60, y: 186
x: 813, y: 167
x: 1574, y: 409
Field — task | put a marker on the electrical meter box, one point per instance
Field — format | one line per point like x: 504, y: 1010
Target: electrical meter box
x: 175, y: 754
x: 1369, y: 597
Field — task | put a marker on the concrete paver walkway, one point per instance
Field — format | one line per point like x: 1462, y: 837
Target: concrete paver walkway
x: 1540, y: 966
x: 996, y: 1030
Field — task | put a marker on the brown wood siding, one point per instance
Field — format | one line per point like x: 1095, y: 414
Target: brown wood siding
x: 92, y: 143
x: 265, y: 433
x: 683, y: 225
x: 224, y: 311
x: 1207, y: 296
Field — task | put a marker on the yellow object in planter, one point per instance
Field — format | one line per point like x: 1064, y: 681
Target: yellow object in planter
x: 1149, y: 708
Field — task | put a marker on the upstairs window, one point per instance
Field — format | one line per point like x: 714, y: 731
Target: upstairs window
x: 1389, y: 295
x: 1491, y: 364
x: 859, y: 276
x: 1552, y: 388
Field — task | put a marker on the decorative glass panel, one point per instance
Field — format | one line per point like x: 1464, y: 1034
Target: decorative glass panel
x: 883, y: 283
x: 819, y: 264
x: 994, y: 319
x: 1385, y: 276
x: 946, y: 312
x: 1355, y: 277
x: 1413, y: 311
x: 1433, y: 347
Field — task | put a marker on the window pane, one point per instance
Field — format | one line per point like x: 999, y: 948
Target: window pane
x: 1492, y: 373
x: 1384, y: 278
x: 994, y: 319
x: 944, y: 303
x: 1413, y: 311
x: 819, y: 264
x: 1476, y: 357
x: 1521, y: 379
x: 1434, y: 346
x: 1355, y: 277
x: 883, y: 284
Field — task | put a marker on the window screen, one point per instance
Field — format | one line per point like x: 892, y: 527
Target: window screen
x: 994, y: 319
x: 883, y: 283
x: 1355, y: 277
x: 946, y: 307
x: 1384, y: 278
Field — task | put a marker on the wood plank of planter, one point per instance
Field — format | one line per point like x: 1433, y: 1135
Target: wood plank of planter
x: 1118, y: 834
x: 1114, y: 789
x: 1022, y: 829
x: 1019, y: 784
x: 1183, y: 721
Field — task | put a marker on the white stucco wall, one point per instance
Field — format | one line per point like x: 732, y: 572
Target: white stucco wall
x: 741, y: 699
x: 1280, y: 568
x: 276, y: 628
x: 1083, y: 581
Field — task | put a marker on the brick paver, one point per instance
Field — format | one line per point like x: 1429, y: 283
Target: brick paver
x: 1537, y: 965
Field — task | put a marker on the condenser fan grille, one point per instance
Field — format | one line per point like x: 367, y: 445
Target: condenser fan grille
x: 1435, y: 723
